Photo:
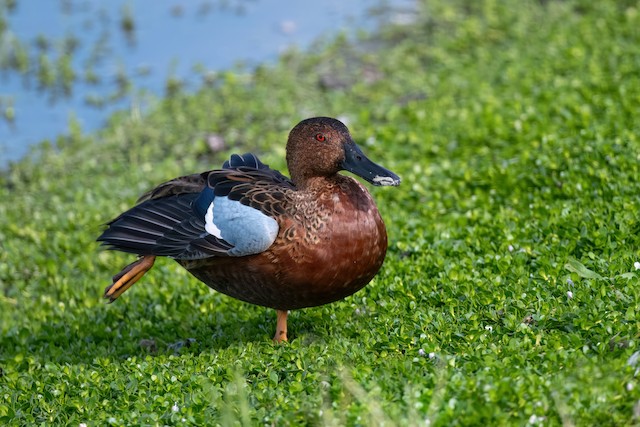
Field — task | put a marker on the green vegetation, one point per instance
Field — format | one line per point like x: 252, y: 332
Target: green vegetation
x: 509, y: 294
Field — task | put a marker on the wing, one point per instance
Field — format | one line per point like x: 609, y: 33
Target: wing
x: 164, y: 227
x: 254, y: 185
x: 188, y: 184
x: 227, y: 212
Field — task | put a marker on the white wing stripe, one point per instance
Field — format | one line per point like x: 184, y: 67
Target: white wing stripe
x: 209, y: 225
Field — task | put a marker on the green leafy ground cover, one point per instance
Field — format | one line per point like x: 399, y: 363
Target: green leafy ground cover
x: 509, y: 294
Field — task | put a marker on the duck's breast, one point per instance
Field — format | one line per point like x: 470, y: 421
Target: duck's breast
x: 332, y: 247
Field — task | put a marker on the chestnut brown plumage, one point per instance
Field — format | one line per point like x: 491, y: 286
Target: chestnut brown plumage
x: 329, y: 239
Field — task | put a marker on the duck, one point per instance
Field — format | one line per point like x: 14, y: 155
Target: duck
x: 252, y: 233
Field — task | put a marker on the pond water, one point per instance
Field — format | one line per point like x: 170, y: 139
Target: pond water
x: 86, y: 58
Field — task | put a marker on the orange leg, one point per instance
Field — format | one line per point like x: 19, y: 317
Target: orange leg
x: 281, y: 326
x: 128, y: 276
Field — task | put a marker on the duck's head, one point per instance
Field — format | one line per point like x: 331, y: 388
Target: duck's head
x: 322, y: 147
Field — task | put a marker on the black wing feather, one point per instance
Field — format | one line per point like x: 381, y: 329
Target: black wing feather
x: 163, y: 227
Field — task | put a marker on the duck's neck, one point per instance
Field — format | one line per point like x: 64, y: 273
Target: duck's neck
x: 319, y: 182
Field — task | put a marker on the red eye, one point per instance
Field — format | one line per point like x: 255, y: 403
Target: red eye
x: 320, y: 137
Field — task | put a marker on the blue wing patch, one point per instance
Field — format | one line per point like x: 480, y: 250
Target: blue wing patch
x: 247, y: 229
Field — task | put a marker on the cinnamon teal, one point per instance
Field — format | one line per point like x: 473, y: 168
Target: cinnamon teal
x: 250, y: 232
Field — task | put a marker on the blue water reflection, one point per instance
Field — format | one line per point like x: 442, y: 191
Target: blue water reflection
x: 169, y: 37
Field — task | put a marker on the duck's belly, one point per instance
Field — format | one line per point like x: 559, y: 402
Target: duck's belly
x: 302, y: 270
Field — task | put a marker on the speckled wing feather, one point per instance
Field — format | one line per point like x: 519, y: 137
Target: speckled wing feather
x: 250, y: 164
x: 260, y: 190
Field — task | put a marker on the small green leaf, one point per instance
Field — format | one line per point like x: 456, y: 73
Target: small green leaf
x: 273, y: 376
x: 627, y: 276
x: 577, y: 267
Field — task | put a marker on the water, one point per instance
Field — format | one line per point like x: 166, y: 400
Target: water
x: 143, y: 43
